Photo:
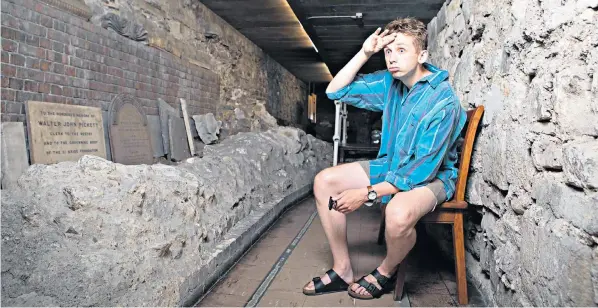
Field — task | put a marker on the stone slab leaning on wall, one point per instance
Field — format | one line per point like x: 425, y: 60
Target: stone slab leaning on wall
x: 14, y: 153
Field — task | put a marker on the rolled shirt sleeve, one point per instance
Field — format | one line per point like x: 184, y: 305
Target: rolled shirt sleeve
x: 365, y: 91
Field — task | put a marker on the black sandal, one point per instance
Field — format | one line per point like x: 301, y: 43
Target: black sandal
x: 337, y: 284
x: 383, y: 281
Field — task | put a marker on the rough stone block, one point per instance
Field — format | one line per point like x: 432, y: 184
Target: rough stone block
x: 495, y: 164
x: 580, y: 163
x: 474, y: 191
x: 465, y: 70
x: 207, y: 127
x: 494, y: 200
x: 452, y: 10
x: 573, y: 84
x: 547, y: 153
x: 432, y: 33
x: 558, y: 259
x: 578, y: 207
x: 441, y: 22
x: 543, y: 103
x: 466, y: 9
x: 519, y: 200
x: 14, y: 153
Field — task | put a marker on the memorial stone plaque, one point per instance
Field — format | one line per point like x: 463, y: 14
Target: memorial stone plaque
x: 59, y: 132
x: 130, y: 141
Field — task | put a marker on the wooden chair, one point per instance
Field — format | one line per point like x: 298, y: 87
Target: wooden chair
x: 450, y: 212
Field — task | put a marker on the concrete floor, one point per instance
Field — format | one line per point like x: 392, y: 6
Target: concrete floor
x: 295, y: 249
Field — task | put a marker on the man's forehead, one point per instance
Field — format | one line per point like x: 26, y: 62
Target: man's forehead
x: 402, y: 40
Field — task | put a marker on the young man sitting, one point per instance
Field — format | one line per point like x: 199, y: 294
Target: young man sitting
x: 422, y: 119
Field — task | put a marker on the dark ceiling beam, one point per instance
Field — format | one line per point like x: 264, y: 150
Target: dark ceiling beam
x: 311, y: 32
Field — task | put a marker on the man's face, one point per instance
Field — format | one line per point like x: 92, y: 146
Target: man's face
x: 402, y: 56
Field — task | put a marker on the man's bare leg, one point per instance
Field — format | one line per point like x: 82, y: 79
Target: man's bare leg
x: 402, y: 213
x: 331, y: 182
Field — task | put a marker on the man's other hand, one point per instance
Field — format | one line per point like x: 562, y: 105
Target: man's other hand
x: 350, y: 200
x: 377, y: 41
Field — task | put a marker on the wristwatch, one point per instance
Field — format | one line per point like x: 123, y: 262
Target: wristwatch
x: 372, y: 195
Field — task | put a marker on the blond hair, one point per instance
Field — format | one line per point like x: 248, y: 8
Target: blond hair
x: 412, y: 27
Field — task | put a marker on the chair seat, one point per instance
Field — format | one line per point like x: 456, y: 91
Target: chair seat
x: 453, y: 204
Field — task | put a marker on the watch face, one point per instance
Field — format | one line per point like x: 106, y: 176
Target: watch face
x: 372, y: 195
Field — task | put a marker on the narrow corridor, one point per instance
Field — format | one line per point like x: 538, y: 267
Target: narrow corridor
x: 295, y: 249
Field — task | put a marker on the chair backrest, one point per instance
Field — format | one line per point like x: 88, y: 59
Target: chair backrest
x: 471, y: 126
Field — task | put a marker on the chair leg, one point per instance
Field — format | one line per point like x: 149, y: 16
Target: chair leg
x: 382, y: 227
x: 401, y: 275
x: 459, y: 247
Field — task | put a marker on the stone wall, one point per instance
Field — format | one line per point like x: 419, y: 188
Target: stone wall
x: 50, y: 54
x: 532, y: 236
x: 97, y: 233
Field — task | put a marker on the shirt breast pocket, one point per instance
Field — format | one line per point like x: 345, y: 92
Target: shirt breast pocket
x: 416, y: 128
x: 415, y: 118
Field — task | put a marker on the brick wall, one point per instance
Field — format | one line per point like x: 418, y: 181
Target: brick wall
x: 54, y: 56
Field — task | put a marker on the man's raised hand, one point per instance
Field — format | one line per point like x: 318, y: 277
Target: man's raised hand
x: 377, y: 41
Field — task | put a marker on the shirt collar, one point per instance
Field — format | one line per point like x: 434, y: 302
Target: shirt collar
x: 436, y: 77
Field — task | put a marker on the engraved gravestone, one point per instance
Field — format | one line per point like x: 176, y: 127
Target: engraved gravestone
x: 59, y: 132
x: 130, y: 141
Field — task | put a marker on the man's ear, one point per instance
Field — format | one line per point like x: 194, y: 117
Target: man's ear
x: 423, y: 57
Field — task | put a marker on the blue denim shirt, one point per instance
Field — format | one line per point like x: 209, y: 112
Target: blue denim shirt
x: 420, y: 127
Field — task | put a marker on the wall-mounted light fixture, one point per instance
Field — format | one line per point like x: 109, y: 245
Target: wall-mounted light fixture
x: 357, y: 17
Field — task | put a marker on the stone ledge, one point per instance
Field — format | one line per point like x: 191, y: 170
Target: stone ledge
x: 244, y: 234
x: 72, y: 6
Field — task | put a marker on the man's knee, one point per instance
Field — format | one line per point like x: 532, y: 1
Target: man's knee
x: 400, y: 220
x: 325, y: 179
